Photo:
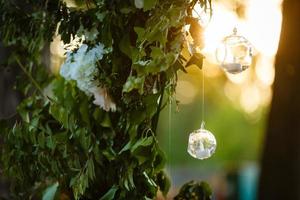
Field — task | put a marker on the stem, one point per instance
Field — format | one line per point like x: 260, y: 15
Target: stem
x: 156, y: 117
x: 29, y: 76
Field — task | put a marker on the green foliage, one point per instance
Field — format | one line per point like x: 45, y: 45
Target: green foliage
x: 62, y: 142
x: 194, y: 191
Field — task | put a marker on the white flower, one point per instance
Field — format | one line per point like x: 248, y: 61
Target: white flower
x: 75, y: 42
x: 103, y: 100
x: 81, y: 67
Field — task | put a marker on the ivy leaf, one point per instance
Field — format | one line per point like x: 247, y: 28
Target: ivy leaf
x: 142, y: 150
x: 101, y: 15
x: 109, y: 154
x: 50, y: 192
x: 60, y: 114
x: 177, y: 65
x: 79, y: 184
x: 106, y: 121
x: 134, y: 145
x: 125, y: 46
x: 150, y: 180
x: 41, y: 140
x: 142, y: 143
x: 110, y: 194
x: 91, y: 169
x: 140, y: 33
x: 50, y: 143
x: 156, y: 52
x: 150, y: 103
x: 134, y: 83
x: 160, y: 160
x: 84, y: 111
x: 193, y: 190
x: 130, y: 177
x: 164, y: 183
x: 149, y: 4
x: 196, y: 59
x: 127, y: 146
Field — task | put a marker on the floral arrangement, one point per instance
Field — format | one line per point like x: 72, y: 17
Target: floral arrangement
x: 81, y: 67
x: 90, y: 131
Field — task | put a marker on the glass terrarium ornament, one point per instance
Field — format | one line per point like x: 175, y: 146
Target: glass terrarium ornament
x: 202, y: 143
x: 235, y: 53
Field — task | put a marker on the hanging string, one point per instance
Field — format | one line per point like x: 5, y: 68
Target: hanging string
x: 203, y: 98
x: 170, y: 138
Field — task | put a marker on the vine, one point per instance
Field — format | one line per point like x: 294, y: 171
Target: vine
x: 90, y: 132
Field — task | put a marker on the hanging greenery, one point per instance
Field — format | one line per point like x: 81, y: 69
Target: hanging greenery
x: 89, y: 132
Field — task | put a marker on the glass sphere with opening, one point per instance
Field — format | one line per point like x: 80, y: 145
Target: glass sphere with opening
x: 235, y: 53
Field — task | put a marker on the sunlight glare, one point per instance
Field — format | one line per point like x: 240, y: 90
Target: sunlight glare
x: 261, y: 25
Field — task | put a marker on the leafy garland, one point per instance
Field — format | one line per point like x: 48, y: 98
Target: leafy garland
x: 93, y: 138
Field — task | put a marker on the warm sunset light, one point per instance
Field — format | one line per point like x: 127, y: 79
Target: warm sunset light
x: 149, y: 99
x: 260, y: 24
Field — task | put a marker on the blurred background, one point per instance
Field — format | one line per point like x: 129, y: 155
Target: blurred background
x: 236, y: 106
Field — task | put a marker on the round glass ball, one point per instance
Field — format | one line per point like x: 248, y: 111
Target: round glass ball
x: 202, y: 144
x: 235, y: 53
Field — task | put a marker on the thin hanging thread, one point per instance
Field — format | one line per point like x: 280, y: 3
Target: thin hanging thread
x: 170, y: 137
x: 203, y: 99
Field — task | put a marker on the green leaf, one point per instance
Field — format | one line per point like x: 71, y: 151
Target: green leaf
x: 101, y: 15
x: 156, y: 52
x: 149, y: 4
x: 164, y: 183
x: 60, y: 114
x: 177, y: 65
x: 137, y: 148
x: 130, y: 177
x: 84, y: 111
x: 142, y: 143
x: 151, y: 104
x: 196, y: 59
x: 41, y: 140
x: 97, y: 154
x: 140, y: 33
x: 125, y: 46
x: 98, y: 114
x: 194, y: 189
x: 129, y: 50
x: 50, y: 143
x: 49, y: 193
x: 79, y: 184
x: 109, y: 154
x: 160, y: 160
x: 149, y: 180
x: 106, y: 121
x: 142, y: 155
x: 91, y: 169
x: 134, y: 83
x: 110, y: 194
x: 127, y: 146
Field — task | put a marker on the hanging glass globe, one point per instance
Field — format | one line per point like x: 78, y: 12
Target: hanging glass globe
x: 202, y: 143
x: 235, y: 53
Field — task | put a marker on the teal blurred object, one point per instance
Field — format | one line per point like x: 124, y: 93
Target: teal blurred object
x: 248, y: 182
